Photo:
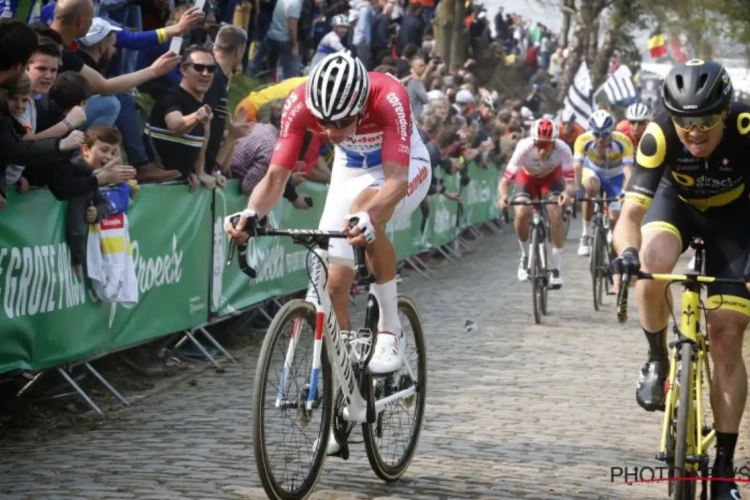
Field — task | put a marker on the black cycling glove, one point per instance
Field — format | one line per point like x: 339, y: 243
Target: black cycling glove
x: 627, y: 262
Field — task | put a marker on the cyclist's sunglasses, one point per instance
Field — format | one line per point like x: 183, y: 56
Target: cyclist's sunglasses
x: 341, y: 123
x: 602, y: 135
x: 635, y: 123
x: 200, y: 68
x: 546, y: 145
x: 702, y: 123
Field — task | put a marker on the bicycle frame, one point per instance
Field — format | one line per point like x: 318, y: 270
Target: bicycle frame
x: 690, y: 300
x: 327, y: 329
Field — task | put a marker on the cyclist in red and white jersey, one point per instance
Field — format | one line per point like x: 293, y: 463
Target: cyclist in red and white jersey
x: 381, y: 170
x: 542, y: 166
x: 637, y: 117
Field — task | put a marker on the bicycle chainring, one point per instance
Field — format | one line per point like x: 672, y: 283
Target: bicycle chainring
x: 341, y: 428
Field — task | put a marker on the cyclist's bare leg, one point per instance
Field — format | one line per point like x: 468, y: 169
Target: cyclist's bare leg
x: 341, y: 278
x: 729, y: 390
x: 557, y: 226
x: 592, y: 187
x: 521, y: 221
x: 659, y: 252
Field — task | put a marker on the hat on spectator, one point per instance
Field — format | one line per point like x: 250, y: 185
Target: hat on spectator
x: 526, y: 113
x: 464, y: 97
x: 435, y: 95
x: 353, y: 16
x: 100, y: 29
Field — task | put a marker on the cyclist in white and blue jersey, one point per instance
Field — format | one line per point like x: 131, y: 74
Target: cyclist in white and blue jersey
x: 334, y: 40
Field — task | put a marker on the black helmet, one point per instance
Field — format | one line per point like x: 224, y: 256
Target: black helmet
x: 697, y: 88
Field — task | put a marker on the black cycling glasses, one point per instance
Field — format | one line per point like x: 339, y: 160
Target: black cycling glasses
x: 200, y: 68
x: 340, y: 123
x: 602, y: 135
x: 702, y: 123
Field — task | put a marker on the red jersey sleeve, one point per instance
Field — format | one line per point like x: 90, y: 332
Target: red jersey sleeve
x: 394, y: 110
x: 296, y: 119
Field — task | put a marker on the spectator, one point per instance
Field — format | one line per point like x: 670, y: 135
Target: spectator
x: 177, y: 128
x: 403, y: 63
x: 534, y: 99
x: 100, y: 151
x: 282, y: 39
x: 334, y: 41
x: 227, y: 51
x: 19, y: 100
x: 72, y: 20
x: 363, y: 31
x: 381, y: 29
x: 412, y: 28
x: 465, y: 101
x: 415, y: 85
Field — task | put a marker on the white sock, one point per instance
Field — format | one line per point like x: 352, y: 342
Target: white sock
x: 557, y: 257
x: 587, y: 227
x: 387, y: 297
x: 523, y: 245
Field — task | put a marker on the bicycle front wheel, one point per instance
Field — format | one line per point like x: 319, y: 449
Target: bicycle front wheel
x: 535, y: 270
x: 389, y: 454
x: 598, y: 253
x: 684, y: 488
x: 289, y: 398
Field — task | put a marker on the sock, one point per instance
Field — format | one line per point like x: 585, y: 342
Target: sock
x: 657, y: 345
x: 725, y: 444
x: 523, y: 245
x: 587, y: 228
x: 557, y: 255
x: 387, y: 297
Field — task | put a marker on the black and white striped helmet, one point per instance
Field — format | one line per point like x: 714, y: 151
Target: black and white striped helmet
x: 338, y: 87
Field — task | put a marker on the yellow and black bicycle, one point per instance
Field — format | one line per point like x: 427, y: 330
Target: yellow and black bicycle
x: 687, y: 431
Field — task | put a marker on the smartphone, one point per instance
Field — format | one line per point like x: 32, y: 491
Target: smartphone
x: 176, y: 45
x: 200, y: 4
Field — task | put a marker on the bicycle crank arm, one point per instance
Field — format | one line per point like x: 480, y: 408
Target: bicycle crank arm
x: 380, y: 404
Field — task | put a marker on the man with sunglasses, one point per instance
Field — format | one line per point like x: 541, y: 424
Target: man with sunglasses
x: 541, y: 165
x: 601, y: 160
x: 634, y: 125
x: 691, y: 179
x: 381, y: 170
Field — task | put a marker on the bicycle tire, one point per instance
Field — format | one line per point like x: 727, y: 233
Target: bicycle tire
x: 603, y: 256
x: 544, y: 280
x: 594, y: 265
x: 684, y: 489
x: 534, y: 275
x: 390, y: 473
x: 291, y: 310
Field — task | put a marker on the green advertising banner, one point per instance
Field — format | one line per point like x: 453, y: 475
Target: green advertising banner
x: 441, y: 225
x: 480, y: 195
x: 50, y: 316
x: 280, y: 264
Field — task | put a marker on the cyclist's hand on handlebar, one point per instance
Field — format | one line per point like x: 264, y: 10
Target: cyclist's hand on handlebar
x: 626, y: 263
x: 359, y: 228
x: 565, y: 199
x: 246, y: 222
x: 580, y: 192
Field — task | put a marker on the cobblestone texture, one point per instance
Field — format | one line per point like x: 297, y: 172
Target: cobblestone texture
x: 514, y: 411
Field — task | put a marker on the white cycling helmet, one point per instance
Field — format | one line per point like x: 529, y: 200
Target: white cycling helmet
x: 340, y: 20
x: 637, y: 112
x: 601, y: 122
x: 544, y: 130
x: 338, y: 87
x: 568, y: 115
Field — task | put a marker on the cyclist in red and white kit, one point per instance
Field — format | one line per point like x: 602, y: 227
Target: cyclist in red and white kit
x: 381, y: 170
x: 542, y: 166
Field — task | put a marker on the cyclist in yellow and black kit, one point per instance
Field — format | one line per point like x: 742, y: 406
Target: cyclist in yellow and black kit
x: 697, y: 154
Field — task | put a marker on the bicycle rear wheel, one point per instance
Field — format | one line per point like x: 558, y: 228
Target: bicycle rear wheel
x: 685, y: 438
x: 376, y: 443
x: 268, y: 416
x: 534, y: 273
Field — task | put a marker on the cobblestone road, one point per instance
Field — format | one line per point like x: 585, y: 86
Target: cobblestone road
x: 515, y: 411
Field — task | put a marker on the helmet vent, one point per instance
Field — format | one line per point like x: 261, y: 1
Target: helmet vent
x: 702, y: 81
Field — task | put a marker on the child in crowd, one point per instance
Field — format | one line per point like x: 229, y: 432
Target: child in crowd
x: 100, y: 149
x: 19, y: 97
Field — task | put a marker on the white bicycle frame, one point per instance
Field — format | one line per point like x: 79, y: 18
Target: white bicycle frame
x: 326, y: 327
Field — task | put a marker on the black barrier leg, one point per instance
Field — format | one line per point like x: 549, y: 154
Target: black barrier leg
x: 80, y: 391
x: 446, y: 254
x: 476, y: 232
x: 420, y: 268
x: 189, y: 336
x: 106, y: 384
x: 465, y: 244
x: 216, y: 344
x: 453, y: 250
x: 492, y: 227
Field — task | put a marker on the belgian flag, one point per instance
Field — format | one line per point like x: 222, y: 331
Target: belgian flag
x: 657, y: 46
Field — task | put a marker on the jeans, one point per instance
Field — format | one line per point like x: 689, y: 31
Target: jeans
x: 130, y: 16
x: 128, y: 124
x: 101, y: 109
x: 281, y: 54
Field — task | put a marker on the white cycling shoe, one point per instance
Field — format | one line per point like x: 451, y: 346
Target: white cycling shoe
x: 389, y: 353
x: 333, y: 446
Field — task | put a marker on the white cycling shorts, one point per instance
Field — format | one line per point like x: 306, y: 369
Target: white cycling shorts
x: 348, y: 183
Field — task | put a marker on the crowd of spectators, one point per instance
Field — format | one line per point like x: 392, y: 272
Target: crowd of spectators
x: 71, y: 121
